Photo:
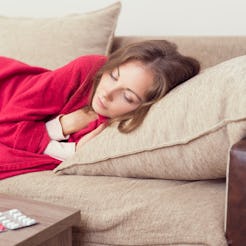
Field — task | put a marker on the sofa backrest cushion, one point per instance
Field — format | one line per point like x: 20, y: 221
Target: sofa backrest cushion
x: 52, y: 42
x: 209, y: 50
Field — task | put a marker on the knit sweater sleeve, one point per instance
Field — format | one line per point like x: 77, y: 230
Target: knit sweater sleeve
x: 32, y: 95
x: 56, y: 149
x: 59, y: 150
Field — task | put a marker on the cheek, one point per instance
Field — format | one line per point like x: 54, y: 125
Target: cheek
x: 123, y: 108
x: 104, y: 80
x: 99, y: 86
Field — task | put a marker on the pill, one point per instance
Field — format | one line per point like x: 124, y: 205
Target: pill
x: 5, y: 222
x: 14, y: 219
x: 12, y: 226
x: 16, y: 215
x: 13, y: 211
x: 26, y: 220
x: 21, y: 217
x: 31, y: 222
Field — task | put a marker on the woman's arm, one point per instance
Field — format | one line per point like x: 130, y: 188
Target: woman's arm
x: 36, y: 98
x: 77, y: 120
x: 63, y: 125
x: 63, y: 150
x: 60, y: 150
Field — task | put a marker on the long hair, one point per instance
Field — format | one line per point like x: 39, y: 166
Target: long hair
x: 169, y: 69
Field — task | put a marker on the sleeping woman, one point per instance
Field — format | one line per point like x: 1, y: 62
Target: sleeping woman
x: 46, y: 116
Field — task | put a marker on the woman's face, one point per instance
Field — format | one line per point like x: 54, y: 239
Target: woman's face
x: 122, y: 90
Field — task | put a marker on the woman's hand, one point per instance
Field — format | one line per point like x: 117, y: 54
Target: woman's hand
x: 76, y: 121
x: 90, y: 135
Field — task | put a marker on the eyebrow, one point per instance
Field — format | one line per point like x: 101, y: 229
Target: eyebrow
x: 139, y: 98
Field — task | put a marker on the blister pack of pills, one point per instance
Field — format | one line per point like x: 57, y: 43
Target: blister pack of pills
x: 15, y: 219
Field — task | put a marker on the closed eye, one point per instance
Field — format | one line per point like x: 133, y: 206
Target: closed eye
x: 129, y: 100
x: 114, y: 74
x: 130, y: 97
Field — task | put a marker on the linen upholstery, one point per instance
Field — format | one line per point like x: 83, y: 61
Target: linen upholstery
x: 127, y: 211
x: 192, y: 212
x: 209, y: 50
x: 53, y: 42
x: 180, y: 134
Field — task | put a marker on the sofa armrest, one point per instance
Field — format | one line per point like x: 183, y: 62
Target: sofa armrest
x: 236, y: 195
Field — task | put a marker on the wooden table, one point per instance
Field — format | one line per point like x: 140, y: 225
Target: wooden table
x: 54, y: 223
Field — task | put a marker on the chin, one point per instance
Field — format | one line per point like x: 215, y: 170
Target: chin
x: 95, y: 108
x: 98, y: 110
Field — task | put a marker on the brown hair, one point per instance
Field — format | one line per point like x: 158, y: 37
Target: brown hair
x: 168, y: 66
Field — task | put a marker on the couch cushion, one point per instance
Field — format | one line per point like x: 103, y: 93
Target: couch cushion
x: 185, y: 136
x: 52, y: 42
x: 209, y: 50
x: 128, y: 211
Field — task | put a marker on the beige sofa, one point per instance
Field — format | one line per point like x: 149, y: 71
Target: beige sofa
x: 142, y: 211
x: 162, y: 185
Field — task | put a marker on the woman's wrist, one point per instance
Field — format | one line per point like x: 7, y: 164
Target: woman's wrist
x: 54, y: 129
x: 76, y: 121
x: 66, y: 125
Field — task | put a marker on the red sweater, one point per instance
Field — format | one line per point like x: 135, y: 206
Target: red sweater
x: 29, y: 97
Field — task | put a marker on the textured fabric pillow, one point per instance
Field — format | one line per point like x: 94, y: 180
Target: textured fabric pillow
x: 52, y: 42
x: 185, y: 136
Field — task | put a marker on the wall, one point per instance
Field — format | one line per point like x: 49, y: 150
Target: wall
x: 148, y: 17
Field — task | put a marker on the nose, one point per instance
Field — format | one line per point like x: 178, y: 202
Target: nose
x: 108, y: 94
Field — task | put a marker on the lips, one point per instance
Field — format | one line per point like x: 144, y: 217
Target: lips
x: 100, y: 102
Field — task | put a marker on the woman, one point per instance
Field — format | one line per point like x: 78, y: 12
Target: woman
x: 45, y: 116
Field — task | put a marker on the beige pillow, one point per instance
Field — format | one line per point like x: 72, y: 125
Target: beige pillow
x: 185, y: 136
x: 52, y: 42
